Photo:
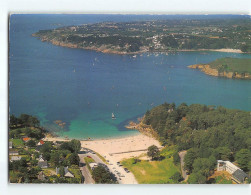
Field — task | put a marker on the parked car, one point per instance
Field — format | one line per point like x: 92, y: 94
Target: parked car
x: 126, y: 170
x: 89, y: 156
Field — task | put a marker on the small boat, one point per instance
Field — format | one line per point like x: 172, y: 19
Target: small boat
x: 74, y: 70
x: 113, y: 116
x: 134, y: 56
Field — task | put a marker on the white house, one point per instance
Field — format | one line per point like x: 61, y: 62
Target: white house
x: 238, y: 175
x: 40, y: 159
x: 226, y: 166
x: 67, y: 173
x: 14, y: 158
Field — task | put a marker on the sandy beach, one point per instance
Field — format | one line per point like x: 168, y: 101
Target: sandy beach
x: 108, y: 147
x: 227, y: 50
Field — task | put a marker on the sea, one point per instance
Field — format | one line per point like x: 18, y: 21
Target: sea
x: 82, y: 88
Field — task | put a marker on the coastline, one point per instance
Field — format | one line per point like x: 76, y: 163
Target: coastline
x: 205, y: 68
x: 107, y: 49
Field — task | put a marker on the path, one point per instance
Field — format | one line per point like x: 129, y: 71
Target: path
x: 182, y: 156
x: 84, y: 170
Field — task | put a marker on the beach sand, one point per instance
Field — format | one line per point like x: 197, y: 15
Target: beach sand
x: 124, y: 146
x: 107, y: 147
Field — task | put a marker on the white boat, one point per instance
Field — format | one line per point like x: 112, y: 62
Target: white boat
x: 74, y: 70
x: 113, y: 116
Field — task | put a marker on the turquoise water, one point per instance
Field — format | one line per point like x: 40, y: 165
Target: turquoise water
x: 43, y: 81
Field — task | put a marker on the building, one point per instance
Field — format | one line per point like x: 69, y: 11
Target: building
x: 67, y: 173
x: 10, y: 145
x: 238, y: 175
x: 26, y: 139
x: 41, y: 142
x: 41, y: 159
x: 93, y: 165
x: 13, y: 153
x: 15, y: 158
x: 41, y: 176
x: 43, y: 164
x: 226, y: 166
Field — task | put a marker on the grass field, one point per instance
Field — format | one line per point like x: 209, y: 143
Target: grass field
x: 88, y: 161
x: 76, y: 172
x: 17, y: 143
x: 239, y: 65
x: 222, y: 180
x: 153, y: 172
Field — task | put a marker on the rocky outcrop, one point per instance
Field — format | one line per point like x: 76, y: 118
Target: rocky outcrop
x: 214, y: 72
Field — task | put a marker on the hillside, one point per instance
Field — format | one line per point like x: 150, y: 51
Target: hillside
x: 207, y: 133
x: 153, y: 36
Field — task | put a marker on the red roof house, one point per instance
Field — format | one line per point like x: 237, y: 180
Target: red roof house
x: 41, y: 142
x: 25, y: 139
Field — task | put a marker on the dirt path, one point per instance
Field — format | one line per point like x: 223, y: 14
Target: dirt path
x: 182, y: 156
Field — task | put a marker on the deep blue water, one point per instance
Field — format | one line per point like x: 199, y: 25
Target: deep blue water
x: 43, y: 81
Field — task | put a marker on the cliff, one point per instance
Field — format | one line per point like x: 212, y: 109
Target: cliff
x: 206, y: 68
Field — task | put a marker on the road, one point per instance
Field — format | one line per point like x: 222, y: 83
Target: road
x: 123, y: 178
x: 85, y: 172
x: 182, y: 156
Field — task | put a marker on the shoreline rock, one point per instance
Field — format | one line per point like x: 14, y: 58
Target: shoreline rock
x: 214, y: 72
x: 143, y: 128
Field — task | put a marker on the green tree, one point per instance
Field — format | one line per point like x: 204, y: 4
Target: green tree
x: 153, y: 152
x: 46, y: 147
x: 243, y: 157
x: 24, y: 118
x: 101, y: 175
x: 55, y: 157
x: 73, y: 159
x: 75, y: 145
x: 31, y: 143
x: 223, y: 153
x: 13, y: 120
x: 191, y: 155
x: 61, y: 171
x: 197, y: 178
x: 176, y: 158
x: 204, y: 165
x: 176, y: 177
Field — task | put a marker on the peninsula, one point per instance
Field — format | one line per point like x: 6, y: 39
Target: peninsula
x: 154, y: 36
x: 238, y: 68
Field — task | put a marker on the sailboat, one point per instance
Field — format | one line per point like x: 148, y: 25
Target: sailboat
x: 113, y: 116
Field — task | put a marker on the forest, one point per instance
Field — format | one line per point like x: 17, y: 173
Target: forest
x: 208, y: 133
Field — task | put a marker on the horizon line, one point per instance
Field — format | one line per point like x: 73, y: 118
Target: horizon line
x: 133, y: 13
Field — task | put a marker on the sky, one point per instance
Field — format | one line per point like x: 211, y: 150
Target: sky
x: 103, y: 6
